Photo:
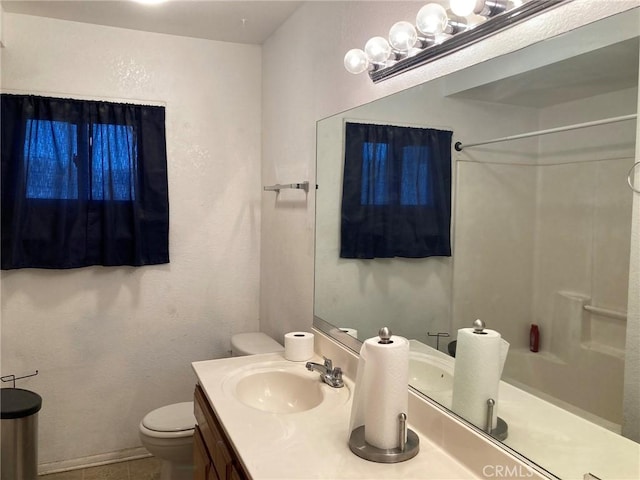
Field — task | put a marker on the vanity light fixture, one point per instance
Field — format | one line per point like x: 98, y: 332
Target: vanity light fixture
x: 439, y: 31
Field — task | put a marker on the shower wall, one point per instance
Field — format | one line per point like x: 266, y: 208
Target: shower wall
x: 583, y: 226
x: 536, y: 241
x: 493, y: 245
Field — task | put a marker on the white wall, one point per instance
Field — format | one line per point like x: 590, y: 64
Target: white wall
x: 583, y: 230
x: 113, y: 343
x: 494, y: 237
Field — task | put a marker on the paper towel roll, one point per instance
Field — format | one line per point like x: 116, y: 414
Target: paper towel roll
x: 476, y: 376
x: 381, y: 391
x: 298, y: 346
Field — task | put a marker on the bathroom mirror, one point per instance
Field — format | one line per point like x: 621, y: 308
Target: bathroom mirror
x: 541, y: 230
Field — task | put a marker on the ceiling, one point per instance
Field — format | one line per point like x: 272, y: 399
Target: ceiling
x: 604, y: 70
x: 237, y: 21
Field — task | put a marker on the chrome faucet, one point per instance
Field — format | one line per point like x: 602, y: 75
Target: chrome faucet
x: 329, y: 375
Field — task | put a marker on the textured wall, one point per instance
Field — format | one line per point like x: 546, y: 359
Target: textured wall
x: 113, y: 343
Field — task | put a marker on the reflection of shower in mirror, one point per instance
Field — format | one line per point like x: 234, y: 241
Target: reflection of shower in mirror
x: 541, y: 229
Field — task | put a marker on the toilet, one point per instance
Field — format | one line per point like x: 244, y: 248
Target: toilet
x: 167, y: 432
x: 253, y: 343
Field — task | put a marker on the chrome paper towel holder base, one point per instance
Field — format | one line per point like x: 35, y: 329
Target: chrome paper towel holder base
x: 408, y: 448
x: 501, y: 432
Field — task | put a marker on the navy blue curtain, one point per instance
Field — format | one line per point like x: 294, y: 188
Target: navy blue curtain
x: 396, y: 192
x: 83, y: 183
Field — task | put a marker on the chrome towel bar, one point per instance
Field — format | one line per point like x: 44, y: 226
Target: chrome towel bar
x: 277, y: 187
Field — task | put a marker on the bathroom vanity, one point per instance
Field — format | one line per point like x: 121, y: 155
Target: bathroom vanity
x: 214, y: 456
x: 301, y: 428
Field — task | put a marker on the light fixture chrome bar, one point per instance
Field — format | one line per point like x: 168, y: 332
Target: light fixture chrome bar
x: 279, y: 186
x: 605, y: 312
x: 468, y: 37
x: 459, y: 146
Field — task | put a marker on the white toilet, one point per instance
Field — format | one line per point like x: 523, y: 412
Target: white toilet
x: 167, y: 432
x: 253, y: 343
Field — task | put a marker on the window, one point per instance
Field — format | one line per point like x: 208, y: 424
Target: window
x: 114, y: 153
x: 83, y: 183
x: 55, y: 170
x: 377, y: 186
x: 396, y: 198
x: 414, y: 179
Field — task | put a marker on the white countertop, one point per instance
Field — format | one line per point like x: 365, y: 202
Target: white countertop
x: 310, y: 444
x: 563, y: 443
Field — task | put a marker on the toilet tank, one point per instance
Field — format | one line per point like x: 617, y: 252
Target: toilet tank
x: 252, y: 343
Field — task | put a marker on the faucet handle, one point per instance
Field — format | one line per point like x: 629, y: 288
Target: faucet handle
x: 328, y: 363
x: 336, y: 378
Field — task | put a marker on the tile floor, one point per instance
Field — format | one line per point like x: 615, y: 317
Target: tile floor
x: 142, y: 469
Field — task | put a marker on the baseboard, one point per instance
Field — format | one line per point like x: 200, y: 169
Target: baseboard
x: 93, y: 460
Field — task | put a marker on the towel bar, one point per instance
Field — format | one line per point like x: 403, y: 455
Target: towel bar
x: 277, y: 187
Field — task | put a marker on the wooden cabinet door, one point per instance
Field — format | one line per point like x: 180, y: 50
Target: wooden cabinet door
x: 203, y: 468
x: 224, y: 461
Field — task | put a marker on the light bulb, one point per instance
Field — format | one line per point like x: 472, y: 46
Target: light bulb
x: 432, y: 19
x: 377, y: 49
x: 356, y: 61
x: 466, y: 7
x: 403, y: 36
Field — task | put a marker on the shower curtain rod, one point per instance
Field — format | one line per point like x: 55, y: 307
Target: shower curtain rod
x: 459, y: 146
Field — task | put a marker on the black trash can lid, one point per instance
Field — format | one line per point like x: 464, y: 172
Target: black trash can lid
x: 19, y: 403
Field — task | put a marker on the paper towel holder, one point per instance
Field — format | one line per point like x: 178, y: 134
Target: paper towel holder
x: 478, y: 327
x: 501, y: 432
x: 409, y: 445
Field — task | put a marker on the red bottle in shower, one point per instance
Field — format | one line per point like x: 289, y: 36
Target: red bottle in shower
x: 534, y: 338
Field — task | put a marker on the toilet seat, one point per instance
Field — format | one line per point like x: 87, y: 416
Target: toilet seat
x: 176, y: 420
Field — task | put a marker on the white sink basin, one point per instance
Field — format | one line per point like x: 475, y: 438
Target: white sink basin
x: 429, y: 374
x: 279, y: 392
x: 282, y: 388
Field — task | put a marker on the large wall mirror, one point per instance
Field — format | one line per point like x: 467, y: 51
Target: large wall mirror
x: 541, y: 230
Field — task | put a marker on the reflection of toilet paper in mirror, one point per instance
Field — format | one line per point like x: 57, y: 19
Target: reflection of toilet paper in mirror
x: 350, y: 331
x: 478, y: 367
x: 381, y: 391
x: 298, y: 346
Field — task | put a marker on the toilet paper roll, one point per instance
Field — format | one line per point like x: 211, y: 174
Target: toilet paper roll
x: 478, y: 367
x: 298, y: 346
x: 381, y: 391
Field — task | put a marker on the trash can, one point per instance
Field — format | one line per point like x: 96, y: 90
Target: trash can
x: 19, y: 430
